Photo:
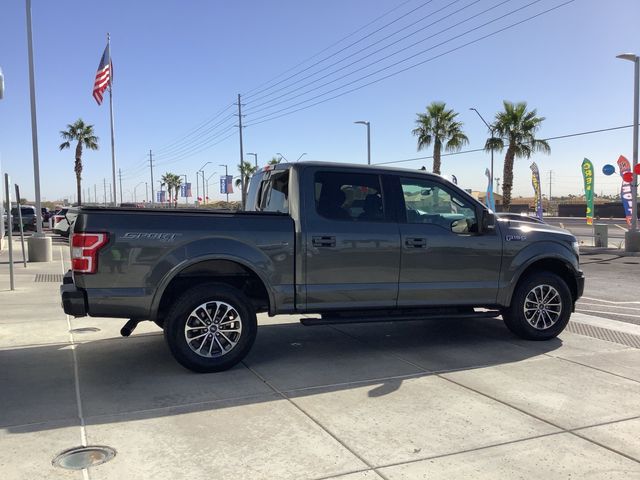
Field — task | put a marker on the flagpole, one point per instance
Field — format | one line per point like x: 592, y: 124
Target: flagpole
x: 113, y: 151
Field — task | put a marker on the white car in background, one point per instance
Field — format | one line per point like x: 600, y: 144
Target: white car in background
x: 63, y: 221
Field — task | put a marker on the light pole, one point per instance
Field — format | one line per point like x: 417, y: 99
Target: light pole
x: 207, y: 190
x: 185, y: 186
x: 301, y: 156
x: 491, y: 131
x: 198, y: 178
x: 368, y: 124
x: 226, y: 179
x: 282, y: 156
x: 255, y: 157
x: 135, y: 197
x: 632, y: 236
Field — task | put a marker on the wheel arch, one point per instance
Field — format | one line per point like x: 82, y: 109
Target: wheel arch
x: 555, y: 264
x: 226, y: 269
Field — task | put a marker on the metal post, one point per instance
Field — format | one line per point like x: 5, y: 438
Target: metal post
x: 146, y: 191
x: 636, y: 119
x: 241, y: 151
x: 151, y: 167
x: 34, y: 123
x: 104, y: 186
x: 120, y: 179
x: 24, y: 255
x: 368, y: 143
x: 197, y: 189
x: 1, y: 211
x: 10, y: 227
x: 113, y: 151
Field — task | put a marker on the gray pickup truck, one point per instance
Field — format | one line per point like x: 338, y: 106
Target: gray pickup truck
x: 348, y: 243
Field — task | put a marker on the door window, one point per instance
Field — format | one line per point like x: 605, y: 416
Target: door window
x: 349, y: 196
x: 432, y: 203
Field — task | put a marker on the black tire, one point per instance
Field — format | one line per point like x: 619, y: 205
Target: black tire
x: 211, y: 295
x: 514, y: 316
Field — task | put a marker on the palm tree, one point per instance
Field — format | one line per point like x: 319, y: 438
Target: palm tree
x: 517, y: 127
x: 246, y: 170
x: 168, y: 180
x: 439, y: 126
x: 275, y: 161
x: 177, y: 183
x: 84, y: 135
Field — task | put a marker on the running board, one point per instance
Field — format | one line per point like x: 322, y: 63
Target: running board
x: 326, y: 320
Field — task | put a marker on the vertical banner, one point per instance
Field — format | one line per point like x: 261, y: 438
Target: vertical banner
x: 587, y: 175
x: 185, y: 190
x: 625, y: 191
x: 491, y: 203
x: 229, y: 184
x: 161, y: 196
x: 535, y: 181
x: 223, y: 185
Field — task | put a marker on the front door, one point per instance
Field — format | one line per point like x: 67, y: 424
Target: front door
x: 351, y: 241
x: 445, y: 261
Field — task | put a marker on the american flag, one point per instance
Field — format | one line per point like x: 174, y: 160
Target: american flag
x: 103, y: 76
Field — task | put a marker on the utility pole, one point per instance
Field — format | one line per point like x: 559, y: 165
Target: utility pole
x: 550, y: 181
x: 95, y: 194
x: 110, y: 195
x: 120, y: 180
x: 242, y: 179
x: 146, y: 191
x: 104, y: 186
x: 151, y: 168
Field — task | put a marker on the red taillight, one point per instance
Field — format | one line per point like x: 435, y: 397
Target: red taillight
x: 84, y: 251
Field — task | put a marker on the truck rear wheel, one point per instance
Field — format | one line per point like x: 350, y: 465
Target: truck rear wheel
x: 540, y: 307
x: 210, y: 328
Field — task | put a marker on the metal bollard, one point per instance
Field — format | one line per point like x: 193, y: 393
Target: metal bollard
x: 601, y: 234
x: 10, y: 226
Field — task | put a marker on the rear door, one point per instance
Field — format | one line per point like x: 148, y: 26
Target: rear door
x: 445, y: 261
x: 351, y: 241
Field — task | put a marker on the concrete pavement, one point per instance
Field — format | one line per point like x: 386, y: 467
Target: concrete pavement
x: 410, y: 400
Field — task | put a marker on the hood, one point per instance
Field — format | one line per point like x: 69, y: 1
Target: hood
x: 535, y: 229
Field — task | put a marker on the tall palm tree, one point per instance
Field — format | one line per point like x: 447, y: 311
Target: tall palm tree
x: 246, y: 170
x: 440, y: 127
x: 518, y: 128
x: 168, y: 180
x: 84, y: 136
x: 177, y: 183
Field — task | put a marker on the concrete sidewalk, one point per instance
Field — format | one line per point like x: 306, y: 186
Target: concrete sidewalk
x: 410, y: 400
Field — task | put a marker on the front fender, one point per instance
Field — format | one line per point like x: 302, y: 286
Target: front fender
x: 211, y: 249
x: 535, y: 252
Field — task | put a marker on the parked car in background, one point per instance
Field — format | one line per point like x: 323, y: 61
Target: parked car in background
x: 46, y: 214
x: 64, y: 221
x: 28, y: 218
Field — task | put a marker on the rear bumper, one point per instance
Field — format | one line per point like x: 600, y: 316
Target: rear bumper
x: 74, y: 300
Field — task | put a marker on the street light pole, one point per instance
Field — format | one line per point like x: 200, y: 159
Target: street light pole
x: 632, y: 236
x: 198, y: 178
x: 491, y: 131
x: 368, y: 124
x: 255, y: 157
x: 298, y: 159
x: 135, y: 197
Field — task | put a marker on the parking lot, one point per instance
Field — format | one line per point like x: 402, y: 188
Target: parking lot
x: 429, y: 399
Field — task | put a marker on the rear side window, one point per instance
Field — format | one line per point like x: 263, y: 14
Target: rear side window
x: 349, y: 196
x: 273, y: 195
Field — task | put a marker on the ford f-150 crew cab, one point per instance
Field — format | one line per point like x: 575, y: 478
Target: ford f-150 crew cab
x: 350, y: 243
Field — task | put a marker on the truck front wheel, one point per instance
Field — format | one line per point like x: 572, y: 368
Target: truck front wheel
x: 210, y: 328
x: 540, y: 307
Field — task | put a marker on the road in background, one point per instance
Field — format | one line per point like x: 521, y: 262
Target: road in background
x: 584, y: 232
x: 611, y: 287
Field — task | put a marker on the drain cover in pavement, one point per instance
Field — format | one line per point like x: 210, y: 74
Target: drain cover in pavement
x: 85, y: 330
x: 78, y: 458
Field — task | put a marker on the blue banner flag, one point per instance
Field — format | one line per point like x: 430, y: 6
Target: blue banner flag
x: 185, y: 190
x: 161, y: 196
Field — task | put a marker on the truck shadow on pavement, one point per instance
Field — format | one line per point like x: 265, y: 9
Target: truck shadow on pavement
x: 124, y: 379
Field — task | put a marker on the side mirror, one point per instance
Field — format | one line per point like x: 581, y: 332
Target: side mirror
x: 487, y: 221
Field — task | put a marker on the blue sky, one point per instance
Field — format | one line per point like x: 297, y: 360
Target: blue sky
x: 177, y: 63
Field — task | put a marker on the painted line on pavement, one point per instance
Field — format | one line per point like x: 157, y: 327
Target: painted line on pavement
x: 76, y: 378
x: 607, y: 306
x: 608, y: 313
x: 611, y: 301
x: 621, y: 228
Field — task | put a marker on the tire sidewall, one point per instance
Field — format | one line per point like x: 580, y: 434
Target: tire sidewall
x: 515, y: 319
x: 176, y: 319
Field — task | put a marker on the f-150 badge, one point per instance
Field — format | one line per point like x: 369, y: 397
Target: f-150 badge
x: 515, y: 238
